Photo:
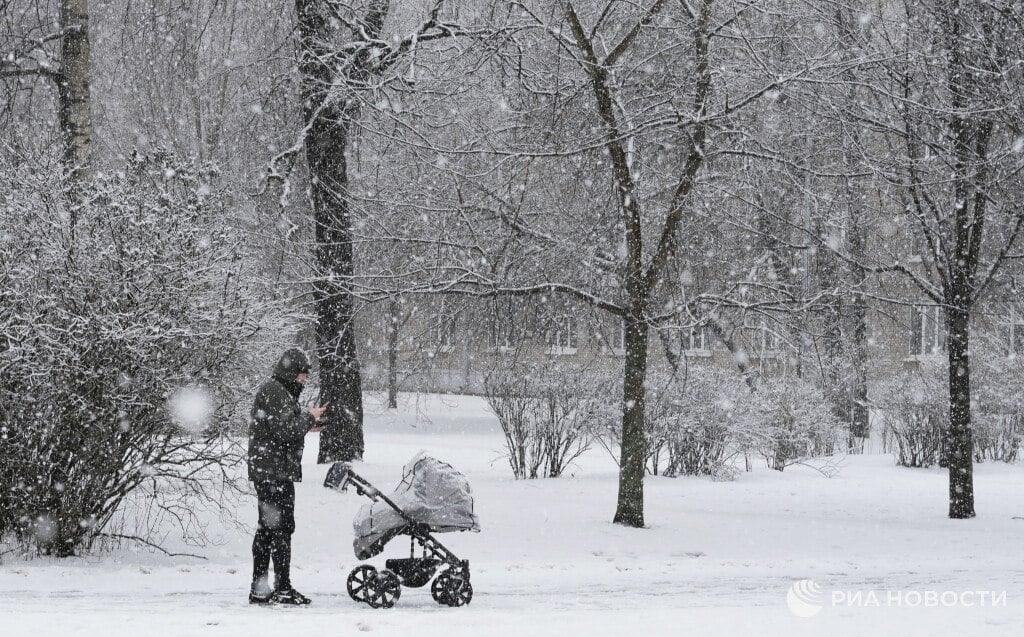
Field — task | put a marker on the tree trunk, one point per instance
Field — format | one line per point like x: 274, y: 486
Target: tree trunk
x: 860, y: 421
x: 393, y: 310
x: 73, y: 104
x: 640, y: 284
x: 327, y: 130
x: 630, y: 508
x: 74, y: 112
x: 739, y: 356
x: 856, y: 278
x: 860, y: 417
x: 970, y: 136
x: 835, y: 360
x: 958, y: 439
x: 855, y: 272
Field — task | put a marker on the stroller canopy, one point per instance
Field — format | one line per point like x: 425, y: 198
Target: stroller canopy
x: 431, y: 492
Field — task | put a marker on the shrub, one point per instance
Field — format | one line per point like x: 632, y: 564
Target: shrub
x: 999, y: 405
x: 699, y: 422
x: 98, y: 328
x: 546, y: 414
x: 789, y: 421
x: 914, y: 432
x: 916, y: 408
x: 694, y: 422
x: 998, y: 437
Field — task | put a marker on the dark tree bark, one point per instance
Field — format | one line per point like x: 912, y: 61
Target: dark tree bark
x: 633, y: 454
x: 860, y: 425
x: 73, y: 102
x: 970, y: 135
x: 855, y: 273
x: 959, y: 443
x: 333, y: 74
x: 393, y: 325
x: 836, y: 364
x: 328, y: 117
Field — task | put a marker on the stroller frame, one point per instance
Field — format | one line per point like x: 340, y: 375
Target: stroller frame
x: 381, y: 589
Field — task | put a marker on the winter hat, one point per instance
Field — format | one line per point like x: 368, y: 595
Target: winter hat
x: 292, y: 363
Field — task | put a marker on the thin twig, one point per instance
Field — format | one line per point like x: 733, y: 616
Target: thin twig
x: 136, y: 538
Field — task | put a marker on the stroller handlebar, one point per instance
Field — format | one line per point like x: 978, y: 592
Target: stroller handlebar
x: 340, y: 475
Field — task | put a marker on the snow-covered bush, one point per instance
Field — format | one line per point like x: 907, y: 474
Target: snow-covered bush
x: 694, y: 422
x: 789, y: 420
x: 916, y: 408
x: 699, y: 422
x: 914, y: 432
x: 107, y: 308
x: 546, y: 413
x: 998, y: 404
x: 998, y: 437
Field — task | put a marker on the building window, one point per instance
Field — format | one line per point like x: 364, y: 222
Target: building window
x: 927, y: 330
x: 560, y: 337
x: 619, y: 336
x: 613, y: 336
x: 697, y: 340
x: 450, y: 11
x: 446, y: 333
x: 918, y: 245
x: 764, y: 342
x: 1013, y: 335
x: 502, y: 336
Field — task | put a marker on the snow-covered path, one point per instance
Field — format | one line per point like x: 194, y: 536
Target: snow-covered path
x: 717, y: 558
x: 524, y: 602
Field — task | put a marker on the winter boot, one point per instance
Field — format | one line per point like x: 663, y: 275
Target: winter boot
x: 289, y: 597
x: 260, y: 592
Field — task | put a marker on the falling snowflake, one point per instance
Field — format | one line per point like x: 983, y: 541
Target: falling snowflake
x: 191, y: 408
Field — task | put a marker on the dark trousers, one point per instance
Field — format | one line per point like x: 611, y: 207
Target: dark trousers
x: 274, y: 533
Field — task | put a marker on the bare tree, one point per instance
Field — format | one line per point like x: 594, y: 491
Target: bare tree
x: 944, y: 103
x: 328, y: 120
x: 578, y: 180
x: 343, y: 59
x: 640, y: 279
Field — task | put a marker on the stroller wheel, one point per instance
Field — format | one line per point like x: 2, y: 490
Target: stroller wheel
x: 451, y: 589
x: 461, y: 592
x: 439, y: 588
x: 361, y: 583
x: 386, y: 590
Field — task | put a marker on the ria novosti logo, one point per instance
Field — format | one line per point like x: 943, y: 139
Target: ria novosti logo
x: 806, y: 599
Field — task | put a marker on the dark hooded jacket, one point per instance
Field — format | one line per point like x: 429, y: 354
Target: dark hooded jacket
x: 278, y: 424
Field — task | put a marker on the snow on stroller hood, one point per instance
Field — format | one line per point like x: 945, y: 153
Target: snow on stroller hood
x: 431, y: 492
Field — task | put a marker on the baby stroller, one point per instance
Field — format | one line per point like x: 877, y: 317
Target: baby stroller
x: 431, y: 498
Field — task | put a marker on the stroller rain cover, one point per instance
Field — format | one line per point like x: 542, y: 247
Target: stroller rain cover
x: 431, y: 492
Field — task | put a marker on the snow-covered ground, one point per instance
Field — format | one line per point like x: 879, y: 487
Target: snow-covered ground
x: 718, y: 557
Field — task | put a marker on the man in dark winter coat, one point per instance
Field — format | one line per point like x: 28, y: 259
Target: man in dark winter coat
x: 277, y: 433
